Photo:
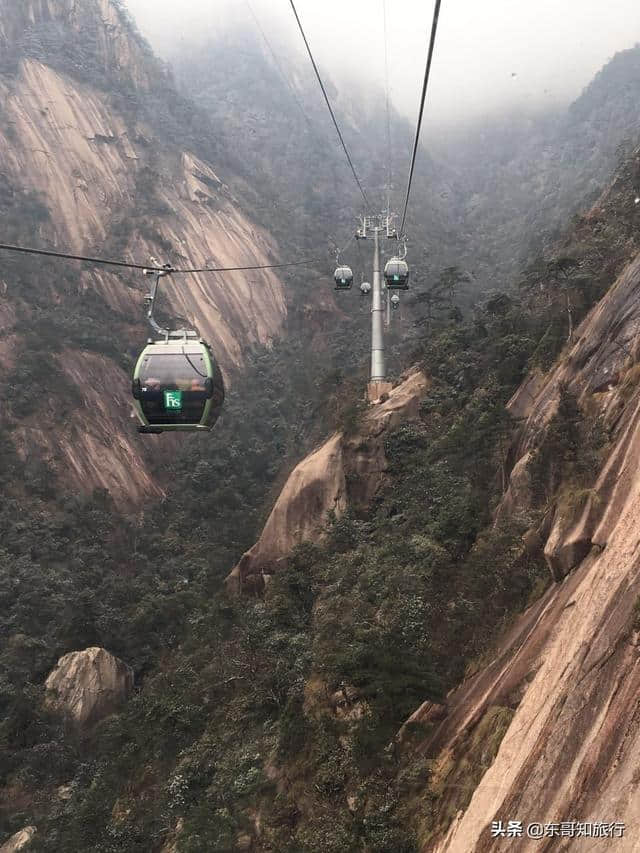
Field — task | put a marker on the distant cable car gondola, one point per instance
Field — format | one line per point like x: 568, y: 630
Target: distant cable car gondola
x: 343, y: 278
x: 177, y: 383
x: 396, y: 274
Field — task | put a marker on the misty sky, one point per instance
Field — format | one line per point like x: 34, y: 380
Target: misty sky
x: 553, y: 47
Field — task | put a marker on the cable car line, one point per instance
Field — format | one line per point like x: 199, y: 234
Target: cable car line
x: 341, y: 251
x: 386, y: 79
x: 167, y: 269
x: 328, y: 102
x: 276, y: 61
x: 427, y: 74
x: 306, y: 262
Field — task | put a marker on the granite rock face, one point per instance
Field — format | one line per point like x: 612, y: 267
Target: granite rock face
x: 89, y: 685
x: 71, y: 144
x: 19, y: 841
x: 569, y: 666
x: 318, y: 484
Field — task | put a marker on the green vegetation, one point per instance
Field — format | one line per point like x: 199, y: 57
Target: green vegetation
x: 286, y: 705
x: 568, y: 456
x: 281, y: 712
x: 635, y: 624
x: 393, y: 606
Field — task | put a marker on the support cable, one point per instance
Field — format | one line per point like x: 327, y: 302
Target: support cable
x: 432, y: 43
x: 278, y: 65
x: 167, y: 269
x: 360, y: 260
x: 326, y: 97
x: 386, y: 79
x: 346, y: 245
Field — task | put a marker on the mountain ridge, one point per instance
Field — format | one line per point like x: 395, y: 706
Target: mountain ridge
x: 107, y: 182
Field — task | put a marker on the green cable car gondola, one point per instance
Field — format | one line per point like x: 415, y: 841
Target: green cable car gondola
x: 177, y: 386
x: 343, y: 278
x: 396, y: 274
x: 177, y: 383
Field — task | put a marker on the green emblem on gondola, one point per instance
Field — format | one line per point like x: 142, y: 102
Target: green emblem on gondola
x: 173, y: 400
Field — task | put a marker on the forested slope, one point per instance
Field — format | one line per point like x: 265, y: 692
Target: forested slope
x: 520, y: 177
x: 277, y: 722
x: 272, y: 722
x: 490, y: 195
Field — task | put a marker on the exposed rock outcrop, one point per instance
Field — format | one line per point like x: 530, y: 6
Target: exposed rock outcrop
x: 118, y: 51
x: 600, y: 369
x: 569, y: 666
x: 95, y: 165
x: 427, y: 714
x: 365, y: 460
x: 518, y: 494
x: 318, y: 484
x: 88, y: 186
x: 19, y: 841
x: 570, y: 752
x: 89, y: 685
x: 99, y: 444
x: 315, y: 487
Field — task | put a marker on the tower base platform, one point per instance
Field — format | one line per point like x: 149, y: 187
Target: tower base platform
x: 376, y: 389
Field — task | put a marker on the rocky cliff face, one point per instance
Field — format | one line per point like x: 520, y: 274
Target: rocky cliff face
x: 568, y: 670
x: 110, y: 181
x: 319, y: 486
x: 19, y: 841
x: 114, y: 46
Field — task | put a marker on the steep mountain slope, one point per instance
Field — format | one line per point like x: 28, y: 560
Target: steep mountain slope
x: 330, y: 712
x: 291, y: 154
x: 345, y: 470
x: 86, y: 143
x: 489, y: 197
x: 396, y: 598
x: 568, y: 668
x: 519, y: 178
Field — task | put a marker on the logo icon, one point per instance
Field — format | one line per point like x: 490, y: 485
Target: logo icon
x: 173, y: 401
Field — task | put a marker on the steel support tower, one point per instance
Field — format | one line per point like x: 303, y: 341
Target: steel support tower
x: 375, y: 226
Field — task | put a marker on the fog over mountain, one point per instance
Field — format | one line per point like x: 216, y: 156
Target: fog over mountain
x: 491, y: 55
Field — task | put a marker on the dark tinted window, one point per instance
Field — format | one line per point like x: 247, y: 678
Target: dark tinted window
x: 179, y: 371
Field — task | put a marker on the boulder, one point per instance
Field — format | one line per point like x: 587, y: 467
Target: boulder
x: 89, y: 685
x: 567, y: 546
x: 19, y: 841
